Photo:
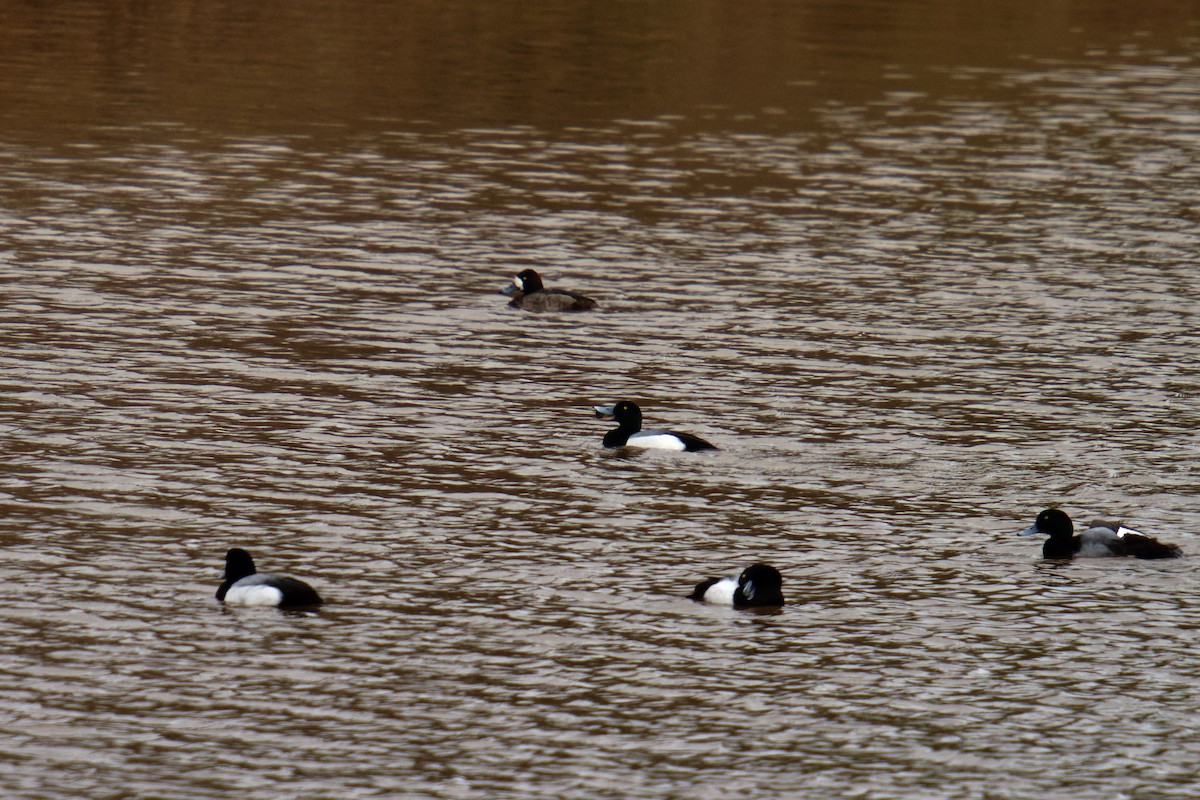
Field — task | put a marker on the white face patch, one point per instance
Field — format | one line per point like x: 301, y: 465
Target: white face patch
x: 520, y: 284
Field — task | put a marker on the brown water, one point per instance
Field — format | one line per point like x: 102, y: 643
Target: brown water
x: 919, y: 269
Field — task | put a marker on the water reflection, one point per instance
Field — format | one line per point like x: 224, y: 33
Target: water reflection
x: 332, y: 71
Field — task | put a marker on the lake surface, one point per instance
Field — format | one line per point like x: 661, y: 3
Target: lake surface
x: 919, y: 270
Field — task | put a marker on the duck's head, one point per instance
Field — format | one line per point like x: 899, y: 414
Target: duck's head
x: 1053, y: 523
x: 625, y: 412
x: 527, y: 281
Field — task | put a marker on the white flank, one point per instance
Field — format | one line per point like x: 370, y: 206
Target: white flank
x: 721, y: 592
x: 658, y: 441
x: 254, y: 595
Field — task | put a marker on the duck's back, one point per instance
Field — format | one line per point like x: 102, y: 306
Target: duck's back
x: 1139, y: 545
x: 1099, y: 542
x: 1111, y: 539
x: 553, y: 300
x: 267, y: 589
x: 693, y: 443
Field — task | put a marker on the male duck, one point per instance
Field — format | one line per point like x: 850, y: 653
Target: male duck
x: 759, y: 585
x: 1101, y: 539
x: 528, y: 293
x: 244, y: 586
x: 629, y: 433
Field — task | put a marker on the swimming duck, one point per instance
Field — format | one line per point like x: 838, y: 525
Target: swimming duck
x: 528, y: 293
x: 1100, y: 540
x: 759, y: 585
x: 629, y: 433
x: 244, y: 586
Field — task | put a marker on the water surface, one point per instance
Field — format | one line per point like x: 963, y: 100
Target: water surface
x: 917, y: 272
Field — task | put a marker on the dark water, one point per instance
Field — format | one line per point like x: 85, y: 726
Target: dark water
x: 918, y: 269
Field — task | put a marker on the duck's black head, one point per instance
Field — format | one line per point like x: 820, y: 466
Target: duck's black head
x: 1053, y: 523
x: 759, y: 585
x: 626, y: 413
x: 525, y: 282
x: 238, y: 564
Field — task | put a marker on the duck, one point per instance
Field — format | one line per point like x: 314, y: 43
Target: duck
x: 245, y: 586
x: 629, y: 433
x: 758, y: 586
x: 528, y: 294
x: 1100, y: 540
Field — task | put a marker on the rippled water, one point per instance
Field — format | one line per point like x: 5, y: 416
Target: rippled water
x: 917, y: 276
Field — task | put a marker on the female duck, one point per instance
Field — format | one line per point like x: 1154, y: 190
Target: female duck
x: 528, y: 293
x: 1102, y: 539
x: 759, y: 585
x: 244, y: 586
x: 629, y: 433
